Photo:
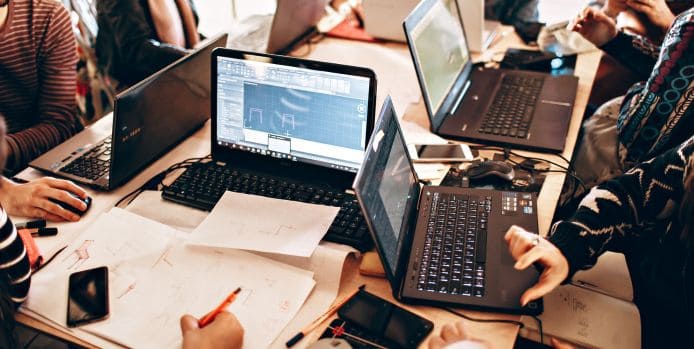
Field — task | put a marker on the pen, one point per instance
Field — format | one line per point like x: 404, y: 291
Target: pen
x: 209, y: 317
x: 38, y: 232
x: 40, y: 223
x: 328, y: 313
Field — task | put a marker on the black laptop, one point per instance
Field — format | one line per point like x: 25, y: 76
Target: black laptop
x: 519, y: 109
x: 286, y: 128
x: 441, y: 245
x: 149, y: 119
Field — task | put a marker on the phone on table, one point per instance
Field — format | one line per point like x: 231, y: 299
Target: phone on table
x: 397, y: 327
x: 441, y: 152
x: 87, y: 296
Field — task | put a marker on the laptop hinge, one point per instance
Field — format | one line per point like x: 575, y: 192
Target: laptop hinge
x: 460, y: 98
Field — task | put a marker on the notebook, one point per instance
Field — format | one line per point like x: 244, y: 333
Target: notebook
x: 383, y: 18
x: 149, y: 119
x: 519, y: 109
x: 441, y: 245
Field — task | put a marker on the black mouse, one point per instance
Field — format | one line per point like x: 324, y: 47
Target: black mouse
x: 488, y: 168
x: 87, y: 201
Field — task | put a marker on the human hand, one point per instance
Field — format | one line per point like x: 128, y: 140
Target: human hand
x: 612, y: 8
x: 225, y: 332
x: 595, y: 26
x: 657, y: 11
x: 453, y: 333
x: 528, y: 248
x: 32, y: 199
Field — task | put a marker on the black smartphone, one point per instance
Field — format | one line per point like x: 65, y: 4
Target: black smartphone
x: 529, y: 31
x: 87, y: 296
x: 399, y: 327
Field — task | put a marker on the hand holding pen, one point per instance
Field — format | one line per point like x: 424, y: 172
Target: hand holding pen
x: 217, y: 329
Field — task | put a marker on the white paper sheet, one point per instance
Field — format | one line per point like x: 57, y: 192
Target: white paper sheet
x: 257, y: 223
x: 154, y: 280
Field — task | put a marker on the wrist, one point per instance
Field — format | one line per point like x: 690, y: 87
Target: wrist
x: 610, y: 12
x: 6, y: 186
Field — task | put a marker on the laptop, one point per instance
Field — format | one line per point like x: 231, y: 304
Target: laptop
x: 383, y: 18
x: 479, y: 32
x: 285, y: 128
x: 510, y: 108
x: 149, y: 119
x: 441, y: 246
x: 293, y: 22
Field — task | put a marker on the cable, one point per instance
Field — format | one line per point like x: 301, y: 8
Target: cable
x: 158, y: 179
x: 539, y: 328
x: 502, y: 321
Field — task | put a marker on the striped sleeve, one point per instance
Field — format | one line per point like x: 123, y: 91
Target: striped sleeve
x: 14, y: 261
x: 57, y: 59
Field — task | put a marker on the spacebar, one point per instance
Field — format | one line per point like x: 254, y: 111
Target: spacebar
x: 481, y: 246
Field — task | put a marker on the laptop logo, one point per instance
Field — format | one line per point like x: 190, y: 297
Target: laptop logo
x: 378, y: 137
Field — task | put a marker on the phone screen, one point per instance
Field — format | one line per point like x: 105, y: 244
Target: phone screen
x: 443, y: 152
x: 87, y: 296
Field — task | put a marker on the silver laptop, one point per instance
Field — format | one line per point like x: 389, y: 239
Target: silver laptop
x: 383, y: 18
x: 293, y: 22
x: 149, y: 119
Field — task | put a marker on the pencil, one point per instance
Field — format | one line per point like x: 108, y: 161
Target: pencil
x: 328, y: 313
x: 209, y: 317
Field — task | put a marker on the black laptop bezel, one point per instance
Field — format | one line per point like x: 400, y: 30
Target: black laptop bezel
x: 409, y: 223
x: 115, y: 181
x: 239, y: 158
x: 453, y: 96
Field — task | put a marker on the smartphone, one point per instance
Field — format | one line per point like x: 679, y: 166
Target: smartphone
x: 441, y: 153
x: 401, y: 328
x: 87, y: 296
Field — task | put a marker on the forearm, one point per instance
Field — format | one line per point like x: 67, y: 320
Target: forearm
x: 619, y: 209
x: 636, y: 53
x: 14, y: 261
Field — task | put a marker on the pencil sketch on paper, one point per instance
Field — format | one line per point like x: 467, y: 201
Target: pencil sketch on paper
x: 81, y: 254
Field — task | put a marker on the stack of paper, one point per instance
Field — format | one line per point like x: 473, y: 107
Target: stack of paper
x: 154, y: 279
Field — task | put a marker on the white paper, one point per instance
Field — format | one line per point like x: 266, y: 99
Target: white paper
x: 154, y: 279
x: 257, y: 223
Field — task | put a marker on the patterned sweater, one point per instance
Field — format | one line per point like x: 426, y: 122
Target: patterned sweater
x: 656, y: 115
x: 37, y: 79
x: 14, y: 261
x: 636, y: 213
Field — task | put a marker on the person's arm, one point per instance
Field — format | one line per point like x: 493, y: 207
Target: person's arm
x: 636, y: 52
x: 135, y: 39
x: 14, y: 261
x: 619, y: 209
x: 658, y: 114
x: 56, y: 96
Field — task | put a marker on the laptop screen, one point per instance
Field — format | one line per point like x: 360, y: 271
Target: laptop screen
x: 292, y: 112
x: 387, y: 187
x: 439, y: 46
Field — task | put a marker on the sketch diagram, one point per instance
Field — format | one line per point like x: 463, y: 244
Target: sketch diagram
x: 312, y: 116
x: 81, y: 254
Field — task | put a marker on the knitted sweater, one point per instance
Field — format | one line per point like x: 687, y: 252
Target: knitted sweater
x: 658, y: 114
x: 37, y: 79
x: 636, y: 213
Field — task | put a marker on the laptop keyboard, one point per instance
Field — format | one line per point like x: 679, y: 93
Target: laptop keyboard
x: 203, y: 184
x: 93, y: 164
x: 454, y: 254
x: 512, y: 109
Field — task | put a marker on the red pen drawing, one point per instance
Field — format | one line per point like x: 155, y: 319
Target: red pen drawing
x: 82, y: 254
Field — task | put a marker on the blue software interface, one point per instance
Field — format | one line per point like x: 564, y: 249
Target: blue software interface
x: 293, y: 113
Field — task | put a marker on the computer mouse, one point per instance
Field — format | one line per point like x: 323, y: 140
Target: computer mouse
x: 489, y: 168
x: 87, y: 201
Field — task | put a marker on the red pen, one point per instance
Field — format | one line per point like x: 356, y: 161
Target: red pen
x: 209, y: 317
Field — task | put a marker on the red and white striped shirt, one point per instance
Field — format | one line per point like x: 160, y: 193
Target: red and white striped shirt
x: 37, y: 79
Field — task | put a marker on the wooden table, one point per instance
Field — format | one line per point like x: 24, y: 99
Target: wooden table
x: 393, y: 66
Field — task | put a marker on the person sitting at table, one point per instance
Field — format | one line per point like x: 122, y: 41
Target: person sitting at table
x: 513, y: 12
x: 647, y: 214
x: 37, y: 78
x: 652, y: 117
x: 139, y: 37
x: 225, y: 331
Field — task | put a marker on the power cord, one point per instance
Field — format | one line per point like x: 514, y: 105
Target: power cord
x: 539, y: 328
x: 156, y: 181
x: 470, y: 318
